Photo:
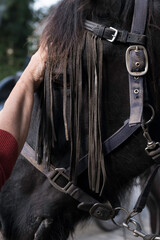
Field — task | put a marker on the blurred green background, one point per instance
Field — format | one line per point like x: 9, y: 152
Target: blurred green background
x: 20, y: 28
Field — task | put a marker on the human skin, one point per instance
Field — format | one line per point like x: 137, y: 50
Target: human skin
x: 16, y: 114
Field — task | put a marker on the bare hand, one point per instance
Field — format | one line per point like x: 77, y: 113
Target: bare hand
x: 37, y: 65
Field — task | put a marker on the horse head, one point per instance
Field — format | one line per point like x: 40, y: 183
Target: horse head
x: 86, y: 101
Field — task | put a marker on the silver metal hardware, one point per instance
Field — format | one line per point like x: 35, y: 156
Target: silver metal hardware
x: 132, y: 214
x: 152, y: 116
x: 151, y: 145
x: 134, y: 227
x: 136, y: 48
x: 136, y: 91
x: 131, y: 224
x: 137, y: 64
x: 124, y: 211
x: 114, y: 35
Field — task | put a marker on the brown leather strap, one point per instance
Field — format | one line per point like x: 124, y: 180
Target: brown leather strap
x: 136, y: 80
x: 60, y: 181
x: 111, y: 34
x: 30, y: 155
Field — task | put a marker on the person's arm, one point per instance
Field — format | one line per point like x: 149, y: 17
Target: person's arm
x: 16, y: 114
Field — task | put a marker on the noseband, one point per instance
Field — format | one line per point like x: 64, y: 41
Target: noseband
x: 137, y: 67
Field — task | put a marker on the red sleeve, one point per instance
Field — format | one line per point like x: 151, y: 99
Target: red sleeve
x: 8, y: 155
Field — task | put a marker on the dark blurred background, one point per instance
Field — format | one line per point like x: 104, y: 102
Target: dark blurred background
x: 21, y: 25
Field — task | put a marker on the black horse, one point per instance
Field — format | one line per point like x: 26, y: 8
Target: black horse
x: 72, y: 118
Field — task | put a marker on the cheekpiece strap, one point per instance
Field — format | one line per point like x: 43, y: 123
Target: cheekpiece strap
x: 137, y: 63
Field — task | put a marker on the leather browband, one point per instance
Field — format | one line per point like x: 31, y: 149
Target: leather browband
x: 111, y: 34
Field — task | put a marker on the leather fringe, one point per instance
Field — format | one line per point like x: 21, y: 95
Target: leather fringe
x: 65, y: 99
x: 96, y: 166
x: 76, y: 106
x: 47, y: 136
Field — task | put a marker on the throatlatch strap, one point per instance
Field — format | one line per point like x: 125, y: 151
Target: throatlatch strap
x: 110, y: 144
x: 137, y: 63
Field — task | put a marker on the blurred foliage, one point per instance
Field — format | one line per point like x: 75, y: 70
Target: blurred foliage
x: 17, y: 24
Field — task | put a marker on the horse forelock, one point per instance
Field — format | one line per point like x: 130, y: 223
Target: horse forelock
x: 65, y: 24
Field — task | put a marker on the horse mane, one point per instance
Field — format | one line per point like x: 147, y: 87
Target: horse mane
x: 66, y: 40
x: 64, y: 29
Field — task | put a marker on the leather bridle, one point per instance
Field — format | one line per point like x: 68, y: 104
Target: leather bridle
x: 137, y: 67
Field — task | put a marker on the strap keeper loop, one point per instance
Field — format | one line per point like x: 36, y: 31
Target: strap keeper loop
x: 124, y: 36
x: 99, y: 31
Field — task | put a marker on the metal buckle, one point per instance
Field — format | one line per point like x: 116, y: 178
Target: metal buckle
x: 136, y: 48
x: 152, y: 146
x: 136, y: 228
x: 53, y: 177
x: 114, y: 35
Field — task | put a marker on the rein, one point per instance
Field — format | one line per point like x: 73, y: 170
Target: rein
x: 137, y: 67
